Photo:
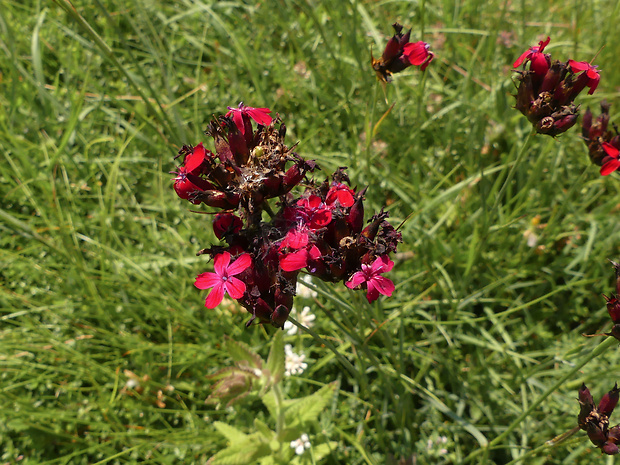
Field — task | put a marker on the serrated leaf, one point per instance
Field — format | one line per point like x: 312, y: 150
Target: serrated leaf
x: 241, y: 352
x: 269, y: 401
x: 230, y: 432
x: 275, y: 361
x: 264, y: 430
x: 247, y: 450
x: 322, y: 450
x: 308, y: 408
x: 238, y: 454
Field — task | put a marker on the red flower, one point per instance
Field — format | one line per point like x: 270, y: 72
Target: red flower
x: 591, y: 73
x: 536, y: 57
x: 342, y: 193
x: 418, y: 54
x: 260, y: 115
x: 316, y: 214
x: 296, y: 238
x: 299, y: 259
x: 611, y: 162
x: 371, y: 276
x: 223, y: 279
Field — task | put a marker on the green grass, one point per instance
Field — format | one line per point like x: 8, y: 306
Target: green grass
x: 97, y: 253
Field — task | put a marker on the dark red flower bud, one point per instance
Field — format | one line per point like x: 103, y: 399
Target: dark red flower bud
x: 356, y: 214
x: 279, y: 316
x: 587, y: 405
x: 596, y: 434
x: 225, y: 224
x: 610, y: 448
x: 608, y: 402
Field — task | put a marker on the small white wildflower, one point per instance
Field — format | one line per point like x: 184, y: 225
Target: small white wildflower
x: 306, y: 318
x: 303, y: 291
x: 301, y: 444
x: 293, y: 363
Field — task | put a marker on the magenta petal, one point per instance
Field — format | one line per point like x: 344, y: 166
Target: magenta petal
x: 215, y: 296
x: 207, y: 280
x: 610, y: 167
x: 416, y: 52
x: 221, y: 263
x: 578, y: 66
x: 357, y: 279
x: 260, y: 115
x: 522, y: 58
x: 238, y: 119
x: 235, y: 287
x: 242, y: 263
x: 383, y: 285
x: 381, y: 264
x: 294, y: 261
x: 372, y: 293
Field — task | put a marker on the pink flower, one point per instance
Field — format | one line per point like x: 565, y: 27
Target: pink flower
x: 260, y: 115
x: 223, y: 279
x: 539, y: 64
x: 296, y: 238
x: 417, y: 53
x: 610, y: 162
x: 371, y: 277
x: 591, y: 73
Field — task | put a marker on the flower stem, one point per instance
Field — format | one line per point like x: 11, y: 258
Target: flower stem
x: 602, y: 347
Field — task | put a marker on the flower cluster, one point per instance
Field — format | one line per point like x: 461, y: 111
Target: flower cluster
x: 547, y: 89
x: 320, y: 231
x: 595, y: 420
x: 399, y: 54
x: 603, y: 144
x: 613, y: 305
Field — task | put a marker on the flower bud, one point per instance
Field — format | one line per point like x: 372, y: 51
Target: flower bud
x: 608, y: 402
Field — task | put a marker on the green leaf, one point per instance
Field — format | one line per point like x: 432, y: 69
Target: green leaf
x: 264, y: 430
x: 241, y: 352
x: 275, y: 361
x: 247, y: 450
x: 308, y: 408
x: 230, y: 432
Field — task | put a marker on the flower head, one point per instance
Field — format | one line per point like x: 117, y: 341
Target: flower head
x: 546, y: 91
x: 595, y: 420
x: 539, y: 61
x: 293, y: 363
x: 301, y: 444
x: 399, y: 54
x: 370, y: 276
x: 240, y: 114
x: 590, y: 73
x: 223, y: 279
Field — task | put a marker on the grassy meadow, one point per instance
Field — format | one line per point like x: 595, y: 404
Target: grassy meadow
x: 477, y: 358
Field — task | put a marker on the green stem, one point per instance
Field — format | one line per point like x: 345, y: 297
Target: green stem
x: 602, y: 347
x: 512, y: 171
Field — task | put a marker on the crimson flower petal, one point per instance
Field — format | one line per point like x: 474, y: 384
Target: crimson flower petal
x: 242, y: 263
x: 221, y: 263
x: 610, y: 150
x: 260, y: 115
x: 610, y: 167
x: 294, y: 261
x: 235, y: 287
x: 207, y: 280
x: 357, y: 279
x: 416, y: 52
x: 382, y: 284
x: 195, y: 159
x: 215, y: 296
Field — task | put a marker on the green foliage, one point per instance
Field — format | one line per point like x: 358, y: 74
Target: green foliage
x: 104, y: 341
